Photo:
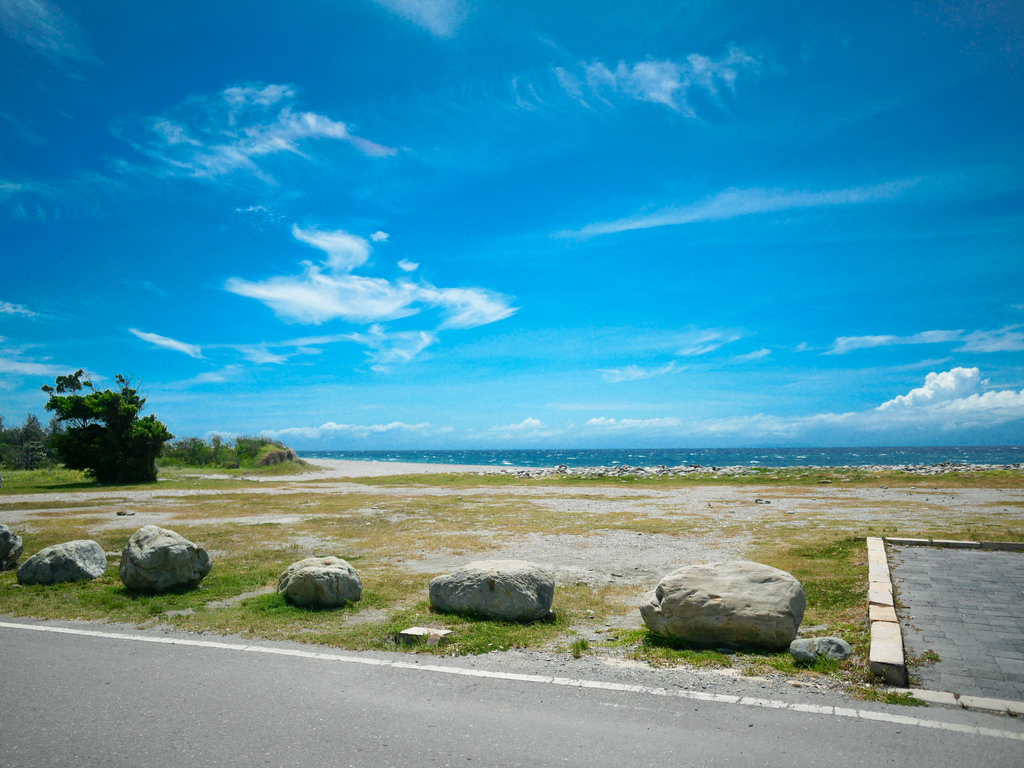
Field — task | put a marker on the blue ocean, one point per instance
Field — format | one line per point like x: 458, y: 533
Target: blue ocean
x: 707, y: 457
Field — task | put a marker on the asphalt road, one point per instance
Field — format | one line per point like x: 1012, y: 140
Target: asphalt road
x: 148, y: 698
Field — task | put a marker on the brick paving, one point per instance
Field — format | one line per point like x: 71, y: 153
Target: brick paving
x: 967, y: 606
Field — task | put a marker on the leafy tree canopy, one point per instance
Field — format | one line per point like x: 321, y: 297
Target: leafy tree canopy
x: 103, y: 433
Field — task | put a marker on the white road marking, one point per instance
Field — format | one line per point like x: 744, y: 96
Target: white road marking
x: 719, y: 698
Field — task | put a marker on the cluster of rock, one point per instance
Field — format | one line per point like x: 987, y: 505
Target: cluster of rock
x: 734, y: 604
x: 740, y: 470
x: 155, y: 560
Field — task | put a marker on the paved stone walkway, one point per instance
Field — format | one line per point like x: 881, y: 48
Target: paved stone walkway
x: 967, y: 606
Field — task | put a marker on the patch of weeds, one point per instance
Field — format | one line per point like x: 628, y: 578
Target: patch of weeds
x: 900, y: 698
x: 928, y: 657
x: 663, y: 652
x: 579, y: 647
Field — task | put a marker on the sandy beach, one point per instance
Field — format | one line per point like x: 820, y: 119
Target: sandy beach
x: 345, y: 468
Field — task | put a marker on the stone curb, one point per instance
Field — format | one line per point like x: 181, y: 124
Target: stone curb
x: 1003, y: 546
x: 1001, y: 706
x: 886, y: 658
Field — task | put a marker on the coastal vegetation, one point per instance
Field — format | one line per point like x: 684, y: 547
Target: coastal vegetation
x: 102, y: 433
x: 243, y: 452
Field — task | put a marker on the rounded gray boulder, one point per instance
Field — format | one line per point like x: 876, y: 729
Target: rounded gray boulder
x: 806, y: 650
x: 736, y: 603
x: 10, y: 548
x: 159, y: 560
x: 513, y: 590
x: 320, y: 582
x: 81, y: 560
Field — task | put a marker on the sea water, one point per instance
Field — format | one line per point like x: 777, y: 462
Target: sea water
x: 707, y: 457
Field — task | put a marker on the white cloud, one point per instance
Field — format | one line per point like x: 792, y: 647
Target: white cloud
x: 1007, y: 339
x: 949, y: 404
x: 6, y: 308
x: 529, y: 423
x: 387, y: 349
x: 755, y: 355
x: 47, y: 31
x: 638, y: 424
x: 219, y: 376
x: 441, y: 17
x: 408, y: 266
x: 742, y: 202
x: 954, y: 384
x: 329, y: 292
x: 697, y: 343
x: 344, y: 252
x: 332, y: 429
x: 380, y: 237
x: 636, y: 372
x: 316, y: 296
x: 28, y: 368
x: 844, y: 344
x: 211, y: 136
x: 192, y: 350
x: 669, y: 83
x: 665, y: 82
x: 466, y: 307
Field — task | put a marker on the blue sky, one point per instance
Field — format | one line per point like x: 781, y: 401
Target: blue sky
x: 443, y: 223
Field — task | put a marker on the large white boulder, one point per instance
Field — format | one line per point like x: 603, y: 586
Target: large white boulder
x: 514, y: 590
x: 10, y: 548
x: 320, y: 582
x: 737, y: 603
x: 81, y: 560
x: 159, y: 560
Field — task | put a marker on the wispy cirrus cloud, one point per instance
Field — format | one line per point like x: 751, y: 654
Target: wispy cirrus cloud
x: 1007, y: 339
x: 666, y: 82
x: 207, y: 137
x: 31, y: 368
x: 846, y: 344
x: 192, y: 350
x: 637, y: 372
x: 333, y: 429
x: 733, y: 203
x: 7, y: 308
x: 386, y: 349
x: 33, y: 200
x: 439, y: 17
x: 48, y: 31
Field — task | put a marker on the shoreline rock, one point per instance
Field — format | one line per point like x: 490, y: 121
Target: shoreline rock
x: 739, y: 470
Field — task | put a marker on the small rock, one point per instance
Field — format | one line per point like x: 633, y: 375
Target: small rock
x: 803, y: 650
x: 833, y: 647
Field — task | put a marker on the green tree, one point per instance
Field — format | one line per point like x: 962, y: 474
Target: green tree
x: 102, y: 432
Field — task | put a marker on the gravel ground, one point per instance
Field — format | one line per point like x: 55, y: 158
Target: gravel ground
x: 598, y: 558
